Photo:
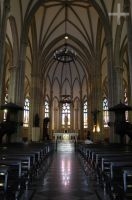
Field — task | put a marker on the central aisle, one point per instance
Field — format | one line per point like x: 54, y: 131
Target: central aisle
x: 65, y: 179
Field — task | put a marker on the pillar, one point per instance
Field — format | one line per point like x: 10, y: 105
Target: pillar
x: 119, y: 84
x: 12, y: 84
x: 5, y: 8
x: 35, y: 98
x: 20, y: 74
x: 55, y: 118
x: 76, y: 119
x: 72, y: 116
x: 128, y: 5
x: 51, y: 113
x: 111, y: 87
x: 96, y: 99
x: 81, y: 116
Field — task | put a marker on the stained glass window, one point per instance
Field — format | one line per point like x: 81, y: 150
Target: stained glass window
x: 46, y: 109
x: 26, y: 113
x: 105, y: 112
x: 85, y: 114
x: 66, y: 115
x: 5, y: 111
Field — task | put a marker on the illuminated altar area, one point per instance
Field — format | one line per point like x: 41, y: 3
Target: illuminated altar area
x: 65, y: 136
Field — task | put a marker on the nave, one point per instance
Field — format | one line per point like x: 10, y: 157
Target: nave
x: 66, y: 170
x: 65, y: 178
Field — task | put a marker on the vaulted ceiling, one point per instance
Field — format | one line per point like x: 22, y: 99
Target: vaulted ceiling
x: 89, y: 28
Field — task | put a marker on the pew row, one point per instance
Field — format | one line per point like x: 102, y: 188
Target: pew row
x: 19, y: 165
x: 109, y: 164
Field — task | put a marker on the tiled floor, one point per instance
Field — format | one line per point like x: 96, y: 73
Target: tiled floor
x: 65, y: 179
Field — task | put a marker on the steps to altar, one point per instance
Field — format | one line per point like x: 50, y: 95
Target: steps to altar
x: 65, y: 146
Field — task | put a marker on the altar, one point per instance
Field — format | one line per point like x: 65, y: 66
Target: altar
x: 65, y: 136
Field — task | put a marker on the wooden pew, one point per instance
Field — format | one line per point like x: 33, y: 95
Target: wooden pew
x: 114, y: 177
x: 103, y: 160
x: 95, y: 154
x: 127, y: 182
x: 25, y: 167
x: 31, y: 157
x: 3, y: 178
x: 14, y: 177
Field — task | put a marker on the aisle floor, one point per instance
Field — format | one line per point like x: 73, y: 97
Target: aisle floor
x: 65, y: 180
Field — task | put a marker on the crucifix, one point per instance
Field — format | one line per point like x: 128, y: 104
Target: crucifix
x: 119, y: 14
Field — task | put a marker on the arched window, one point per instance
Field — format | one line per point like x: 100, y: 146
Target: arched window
x: 85, y: 115
x: 26, y: 113
x: 105, y: 112
x: 46, y: 109
x: 66, y: 115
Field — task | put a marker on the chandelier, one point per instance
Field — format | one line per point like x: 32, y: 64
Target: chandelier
x: 66, y: 54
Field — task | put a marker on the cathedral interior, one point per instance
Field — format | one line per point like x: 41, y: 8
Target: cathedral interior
x: 66, y: 76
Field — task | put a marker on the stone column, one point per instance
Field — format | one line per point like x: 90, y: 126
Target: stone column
x: 12, y: 84
x: 111, y: 76
x: 81, y: 116
x: 128, y: 7
x: 99, y: 100
x: 96, y: 98
x: 76, y: 119
x: 72, y: 116
x: 35, y: 97
x: 19, y: 75
x: 58, y: 117
x: 41, y: 116
x: 5, y: 8
x: 55, y: 118
x: 111, y: 87
x: 51, y: 113
x: 119, y: 84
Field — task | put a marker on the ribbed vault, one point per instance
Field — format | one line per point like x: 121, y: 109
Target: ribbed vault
x: 86, y: 38
x: 40, y: 26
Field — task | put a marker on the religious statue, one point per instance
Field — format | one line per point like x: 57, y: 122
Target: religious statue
x: 45, y: 128
x: 36, y: 120
x: 66, y: 122
x: 95, y: 113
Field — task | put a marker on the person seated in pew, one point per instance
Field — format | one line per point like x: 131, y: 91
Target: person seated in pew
x: 88, y: 140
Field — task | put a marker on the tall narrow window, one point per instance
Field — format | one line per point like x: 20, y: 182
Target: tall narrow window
x: 85, y: 114
x: 126, y: 103
x: 46, y: 109
x: 5, y: 111
x: 26, y: 113
x: 66, y: 115
x: 105, y: 112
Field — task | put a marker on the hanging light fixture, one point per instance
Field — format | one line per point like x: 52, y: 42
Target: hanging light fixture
x: 66, y: 54
x: 66, y: 98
